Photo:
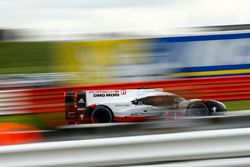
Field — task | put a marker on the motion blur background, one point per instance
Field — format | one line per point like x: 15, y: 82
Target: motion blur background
x: 48, y: 47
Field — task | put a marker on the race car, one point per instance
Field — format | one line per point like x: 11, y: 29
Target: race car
x: 104, y: 106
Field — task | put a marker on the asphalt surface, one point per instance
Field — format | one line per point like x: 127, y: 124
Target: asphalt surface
x: 230, y: 120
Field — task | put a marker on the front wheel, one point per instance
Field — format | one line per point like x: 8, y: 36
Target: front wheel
x: 101, y: 114
x: 198, y: 109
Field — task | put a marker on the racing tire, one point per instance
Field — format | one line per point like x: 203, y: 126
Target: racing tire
x: 102, y: 114
x: 198, y: 109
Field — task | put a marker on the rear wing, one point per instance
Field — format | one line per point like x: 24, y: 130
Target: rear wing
x: 74, y: 101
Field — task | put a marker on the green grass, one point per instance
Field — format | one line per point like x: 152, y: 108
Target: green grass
x: 237, y: 105
x: 26, y: 119
x: 40, y: 121
x: 25, y: 57
x: 52, y: 119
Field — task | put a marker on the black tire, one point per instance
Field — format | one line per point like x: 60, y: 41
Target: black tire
x: 198, y: 109
x: 102, y: 114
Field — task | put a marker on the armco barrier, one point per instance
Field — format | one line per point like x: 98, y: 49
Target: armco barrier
x: 133, y: 150
x: 40, y: 100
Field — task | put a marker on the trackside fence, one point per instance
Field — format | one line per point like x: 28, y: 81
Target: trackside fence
x: 42, y: 100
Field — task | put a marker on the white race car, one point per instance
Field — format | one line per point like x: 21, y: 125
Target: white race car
x: 103, y: 106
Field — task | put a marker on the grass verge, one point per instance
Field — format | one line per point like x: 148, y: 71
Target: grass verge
x: 237, y: 105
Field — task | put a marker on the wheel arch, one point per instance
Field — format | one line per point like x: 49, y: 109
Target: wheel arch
x: 105, y: 107
x: 220, y: 107
x: 198, y: 101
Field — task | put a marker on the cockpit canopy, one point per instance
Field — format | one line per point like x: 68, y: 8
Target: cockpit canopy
x: 158, y: 100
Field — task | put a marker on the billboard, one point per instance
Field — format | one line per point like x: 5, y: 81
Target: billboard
x: 128, y: 60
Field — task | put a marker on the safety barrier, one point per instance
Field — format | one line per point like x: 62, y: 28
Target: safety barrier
x: 40, y: 100
x: 233, y: 162
x: 133, y: 150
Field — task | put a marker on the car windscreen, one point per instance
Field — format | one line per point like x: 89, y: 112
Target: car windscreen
x: 160, y: 100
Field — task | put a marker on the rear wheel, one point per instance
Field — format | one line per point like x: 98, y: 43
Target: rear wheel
x: 101, y: 114
x: 198, y: 109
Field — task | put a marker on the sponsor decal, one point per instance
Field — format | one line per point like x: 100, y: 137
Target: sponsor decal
x: 123, y: 92
x: 145, y: 114
x: 81, y: 101
x: 122, y: 105
x: 105, y: 93
x: 99, y: 95
x: 214, y: 109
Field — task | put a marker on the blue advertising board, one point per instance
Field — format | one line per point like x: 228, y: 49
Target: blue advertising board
x: 204, y: 55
